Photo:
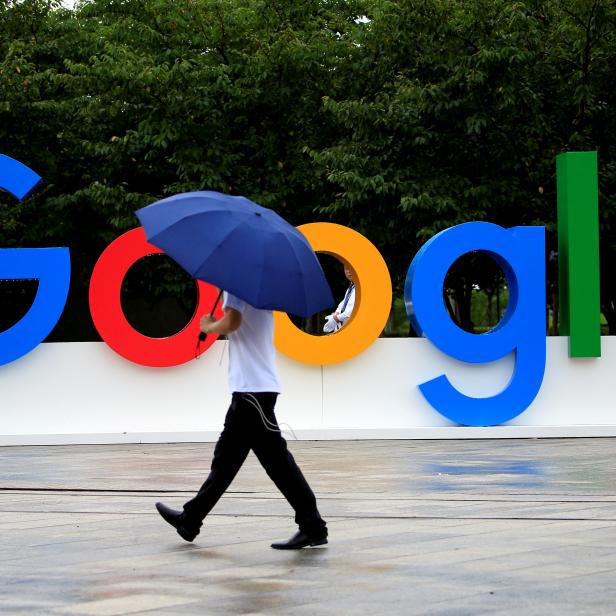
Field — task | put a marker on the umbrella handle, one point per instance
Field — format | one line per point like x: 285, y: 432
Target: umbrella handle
x: 203, y: 335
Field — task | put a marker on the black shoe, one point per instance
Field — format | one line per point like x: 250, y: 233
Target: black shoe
x: 299, y: 540
x: 176, y: 519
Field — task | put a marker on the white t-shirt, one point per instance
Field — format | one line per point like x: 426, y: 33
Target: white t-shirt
x: 252, y: 357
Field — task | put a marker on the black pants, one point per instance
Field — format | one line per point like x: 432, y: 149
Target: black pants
x: 244, y: 430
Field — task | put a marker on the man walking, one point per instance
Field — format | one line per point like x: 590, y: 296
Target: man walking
x: 250, y: 424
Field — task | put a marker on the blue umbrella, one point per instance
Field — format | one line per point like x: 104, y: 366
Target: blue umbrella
x: 241, y: 247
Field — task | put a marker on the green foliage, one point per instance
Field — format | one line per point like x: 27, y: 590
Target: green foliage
x: 398, y: 118
x: 465, y: 107
x: 119, y: 103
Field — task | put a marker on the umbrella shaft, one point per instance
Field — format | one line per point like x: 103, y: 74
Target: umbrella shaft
x: 203, y: 335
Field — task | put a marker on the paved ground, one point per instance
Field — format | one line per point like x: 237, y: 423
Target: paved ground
x: 417, y: 527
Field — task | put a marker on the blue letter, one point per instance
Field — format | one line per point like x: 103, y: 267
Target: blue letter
x: 16, y: 178
x: 520, y: 252
x: 50, y: 266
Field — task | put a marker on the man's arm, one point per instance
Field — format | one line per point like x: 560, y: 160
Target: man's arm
x: 334, y: 315
x: 331, y: 325
x: 230, y: 321
x: 343, y: 317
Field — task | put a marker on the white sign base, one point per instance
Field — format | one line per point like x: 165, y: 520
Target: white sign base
x: 71, y: 393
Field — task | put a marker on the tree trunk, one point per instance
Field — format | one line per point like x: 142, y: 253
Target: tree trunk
x: 463, y: 294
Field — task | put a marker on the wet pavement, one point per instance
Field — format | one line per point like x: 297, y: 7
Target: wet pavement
x: 416, y: 527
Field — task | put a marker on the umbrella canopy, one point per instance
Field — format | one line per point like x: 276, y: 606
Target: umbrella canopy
x: 241, y: 247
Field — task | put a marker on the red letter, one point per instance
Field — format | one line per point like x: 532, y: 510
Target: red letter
x: 109, y: 320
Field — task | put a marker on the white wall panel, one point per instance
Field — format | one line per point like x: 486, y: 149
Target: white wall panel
x: 85, y: 393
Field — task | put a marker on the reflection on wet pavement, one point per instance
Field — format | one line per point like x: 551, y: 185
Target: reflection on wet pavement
x: 447, y: 527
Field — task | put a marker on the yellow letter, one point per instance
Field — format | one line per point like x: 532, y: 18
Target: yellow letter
x: 372, y: 299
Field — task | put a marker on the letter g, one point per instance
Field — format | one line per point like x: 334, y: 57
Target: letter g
x: 520, y: 252
x: 50, y: 266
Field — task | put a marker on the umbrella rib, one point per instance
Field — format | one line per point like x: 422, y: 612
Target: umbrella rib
x: 182, y: 218
x: 187, y: 217
x: 221, y: 242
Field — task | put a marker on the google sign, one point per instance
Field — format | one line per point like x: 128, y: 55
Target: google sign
x: 520, y: 252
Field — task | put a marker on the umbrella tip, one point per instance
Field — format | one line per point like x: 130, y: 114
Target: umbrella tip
x: 258, y: 214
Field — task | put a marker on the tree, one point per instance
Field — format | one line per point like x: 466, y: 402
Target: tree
x: 467, y: 107
x: 118, y: 104
x: 398, y: 119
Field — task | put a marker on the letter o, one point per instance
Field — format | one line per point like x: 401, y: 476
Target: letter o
x: 372, y: 299
x: 109, y: 319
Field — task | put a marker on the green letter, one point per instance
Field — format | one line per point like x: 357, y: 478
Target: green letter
x: 578, y: 252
